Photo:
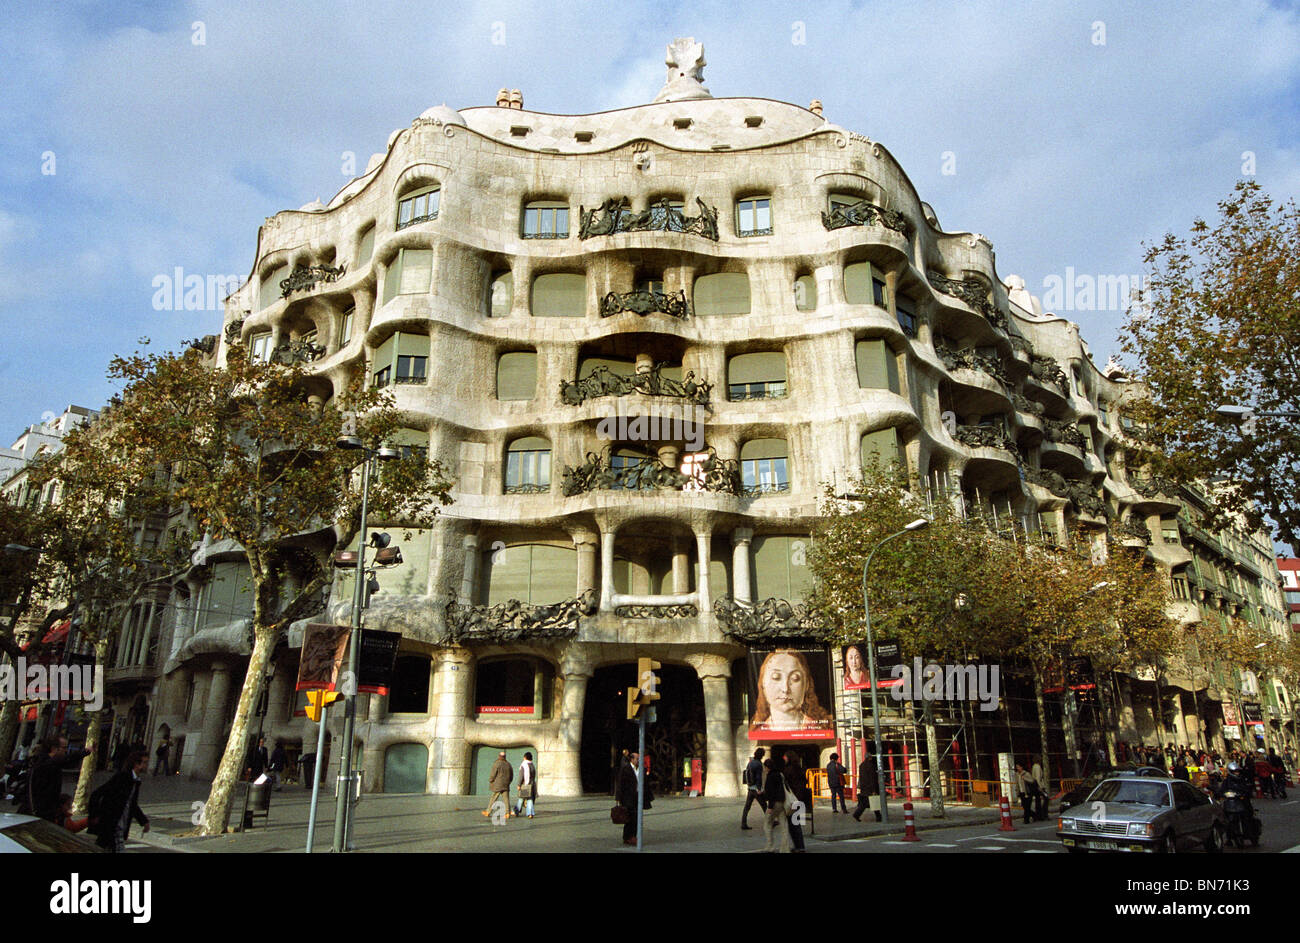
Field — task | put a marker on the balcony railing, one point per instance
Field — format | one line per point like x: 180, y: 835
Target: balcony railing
x: 300, y: 351
x: 598, y: 473
x: 969, y: 360
x: 770, y: 619
x: 972, y: 291
x: 616, y: 215
x: 512, y: 621
x: 740, y: 392
x: 673, y: 304
x: 1080, y: 493
x: 987, y: 435
x: 304, y: 277
x: 1064, y: 432
x: 866, y: 213
x: 1048, y: 372
x: 603, y: 381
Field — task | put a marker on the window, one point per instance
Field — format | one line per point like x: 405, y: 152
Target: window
x: 839, y: 201
x: 366, y: 246
x: 418, y: 207
x: 877, y: 365
x: 546, y: 220
x: 346, y: 320
x: 778, y: 568
x: 402, y: 359
x: 528, y: 466
x: 756, y: 376
x: 1103, y: 414
x: 754, y: 216
x: 410, y: 273
x: 535, y: 574
x: 269, y: 292
x: 559, y: 295
x: 260, y: 347
x: 409, y: 693
x: 764, y: 465
x: 906, y: 311
x: 1178, y: 584
x: 501, y: 295
x: 1169, y: 531
x: 805, y: 293
x: 863, y: 285
x: 517, y: 375
x: 1047, y: 527
x: 725, y: 293
x: 881, y: 449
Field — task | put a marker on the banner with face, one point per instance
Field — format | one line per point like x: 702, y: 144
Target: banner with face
x: 787, y: 684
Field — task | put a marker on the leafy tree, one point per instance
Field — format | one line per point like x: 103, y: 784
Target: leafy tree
x: 1217, y: 324
x: 253, y: 444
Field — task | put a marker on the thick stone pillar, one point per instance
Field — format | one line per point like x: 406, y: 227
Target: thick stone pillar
x: 607, y: 571
x: 681, y: 567
x: 722, y: 780
x: 278, y: 696
x: 740, y: 540
x: 211, y: 746
x: 469, y: 575
x: 585, y: 543
x: 702, y: 541
x: 453, y: 691
x: 563, y: 761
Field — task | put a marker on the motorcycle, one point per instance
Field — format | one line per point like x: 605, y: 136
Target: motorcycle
x: 1242, y: 824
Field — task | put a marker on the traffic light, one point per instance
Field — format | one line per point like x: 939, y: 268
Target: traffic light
x: 648, y: 681
x: 633, y: 703
x: 317, y: 701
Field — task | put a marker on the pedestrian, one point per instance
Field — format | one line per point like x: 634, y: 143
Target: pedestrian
x: 868, y: 787
x: 114, y: 804
x: 527, y: 790
x: 120, y: 753
x: 796, y: 783
x: 778, y: 805
x: 1039, y: 775
x: 258, y: 761
x: 499, y: 784
x: 45, y: 781
x: 753, y: 779
x: 279, y: 760
x: 626, y: 793
x: 835, y: 781
x: 1180, y: 770
x: 1025, y: 787
x: 162, y: 755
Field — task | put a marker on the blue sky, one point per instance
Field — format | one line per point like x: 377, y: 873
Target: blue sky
x: 1076, y: 130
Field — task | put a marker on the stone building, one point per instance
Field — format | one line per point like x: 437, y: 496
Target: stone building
x: 642, y: 342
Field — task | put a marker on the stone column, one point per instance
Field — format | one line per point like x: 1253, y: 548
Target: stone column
x: 453, y: 691
x: 722, y: 782
x: 681, y: 567
x: 469, y: 575
x: 740, y: 540
x: 278, y: 695
x: 891, y: 280
x: 607, y: 571
x: 210, y: 747
x: 702, y: 576
x: 585, y: 543
x: 564, y: 760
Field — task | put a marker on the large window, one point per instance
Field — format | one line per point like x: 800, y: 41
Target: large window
x: 259, y: 346
x: 779, y: 568
x: 805, y: 293
x: 722, y: 294
x: 528, y: 466
x: 559, y: 295
x: 536, y: 574
x: 517, y: 375
x: 410, y: 691
x: 366, y: 245
x: 756, y: 376
x: 754, y: 216
x: 403, y: 359
x: 764, y: 465
x: 501, y: 294
x: 881, y: 449
x: 347, y: 321
x: 418, y: 206
x: 411, y: 273
x: 864, y: 285
x: 877, y: 365
x: 269, y: 292
x: 906, y: 311
x: 546, y: 219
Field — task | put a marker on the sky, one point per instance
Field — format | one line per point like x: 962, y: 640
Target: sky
x: 142, y: 137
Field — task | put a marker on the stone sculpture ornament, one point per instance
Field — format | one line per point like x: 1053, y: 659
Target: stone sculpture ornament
x: 304, y: 277
x: 770, y: 619
x: 649, y: 474
x: 673, y: 304
x: 685, y: 82
x: 616, y: 215
x: 684, y: 611
x: 866, y: 213
x: 513, y: 621
x: 602, y: 381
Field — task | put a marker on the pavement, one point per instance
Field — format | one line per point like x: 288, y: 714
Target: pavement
x: 424, y: 823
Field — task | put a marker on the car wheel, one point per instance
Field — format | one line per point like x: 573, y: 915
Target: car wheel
x: 1214, y: 841
x: 1170, y: 845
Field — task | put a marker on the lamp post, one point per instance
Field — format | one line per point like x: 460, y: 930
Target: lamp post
x: 917, y: 524
x: 344, y: 804
x: 1243, y: 414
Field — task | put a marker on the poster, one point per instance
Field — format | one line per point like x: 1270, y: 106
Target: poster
x: 1230, y: 715
x: 856, y: 665
x: 378, y: 661
x: 787, y: 686
x: 322, y: 655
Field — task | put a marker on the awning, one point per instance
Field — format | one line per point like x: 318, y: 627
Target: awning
x: 56, y: 635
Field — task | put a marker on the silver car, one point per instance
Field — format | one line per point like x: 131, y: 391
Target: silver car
x: 1143, y: 813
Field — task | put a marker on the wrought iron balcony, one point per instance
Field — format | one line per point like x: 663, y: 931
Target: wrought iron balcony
x: 605, y: 382
x: 866, y: 213
x: 299, y: 351
x: 1047, y: 371
x: 972, y: 291
x: 986, y: 435
x: 1027, y: 406
x: 1079, y: 493
x: 1151, y: 487
x: 1136, y: 529
x: 304, y: 277
x: 969, y: 360
x: 599, y: 473
x: 528, y: 489
x: 740, y: 392
x: 685, y: 611
x: 615, y: 215
x: 513, y: 620
x: 1064, y: 432
x: 772, y: 618
x: 673, y: 304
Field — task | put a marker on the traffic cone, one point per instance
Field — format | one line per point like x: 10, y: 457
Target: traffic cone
x: 1005, y: 805
x: 909, y: 821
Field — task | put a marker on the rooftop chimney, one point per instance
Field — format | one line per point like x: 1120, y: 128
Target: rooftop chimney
x: 816, y: 107
x: 516, y: 99
x: 503, y: 98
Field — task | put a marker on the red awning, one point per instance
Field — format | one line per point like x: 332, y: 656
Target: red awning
x: 57, y: 635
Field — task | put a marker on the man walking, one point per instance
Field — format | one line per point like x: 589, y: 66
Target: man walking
x: 868, y: 787
x: 627, y: 795
x: 163, y: 754
x: 1039, y: 776
x: 835, y: 780
x: 279, y: 760
x: 753, y: 778
x: 114, y: 804
x: 499, y: 784
x: 45, y: 781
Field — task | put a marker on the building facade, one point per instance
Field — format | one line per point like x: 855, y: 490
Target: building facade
x: 643, y: 342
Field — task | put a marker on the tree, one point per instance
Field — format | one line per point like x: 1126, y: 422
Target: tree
x: 253, y: 447
x: 1218, y: 324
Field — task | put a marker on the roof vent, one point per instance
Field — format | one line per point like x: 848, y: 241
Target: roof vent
x: 519, y: 130
x: 753, y: 121
x: 681, y: 124
x: 584, y: 136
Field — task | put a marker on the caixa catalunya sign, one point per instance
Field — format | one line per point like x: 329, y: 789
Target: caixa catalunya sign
x: 500, y: 709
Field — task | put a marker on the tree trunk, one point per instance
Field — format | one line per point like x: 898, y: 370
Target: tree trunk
x: 216, y: 810
x: 1068, y: 711
x: 1042, y: 718
x: 1160, y: 714
x: 8, y: 729
x: 81, y: 797
x: 936, y: 777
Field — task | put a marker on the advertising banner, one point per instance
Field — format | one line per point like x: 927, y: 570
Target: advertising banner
x: 322, y: 655
x: 378, y: 661
x: 1230, y: 715
x: 1254, y: 713
x: 888, y: 654
x: 787, y: 683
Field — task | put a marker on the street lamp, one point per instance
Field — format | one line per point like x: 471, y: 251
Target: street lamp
x: 343, y: 806
x: 916, y: 525
x: 1241, y: 414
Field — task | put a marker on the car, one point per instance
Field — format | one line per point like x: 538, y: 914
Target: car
x: 1137, y: 812
x: 1080, y: 792
x: 24, y: 834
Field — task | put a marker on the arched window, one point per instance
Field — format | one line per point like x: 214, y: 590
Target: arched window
x: 722, y: 294
x: 501, y: 294
x: 517, y: 375
x: 864, y: 285
x: 528, y: 466
x: 366, y: 245
x: 756, y: 376
x: 559, y: 295
x: 546, y: 219
x: 764, y: 465
x: 754, y: 216
x: 418, y: 206
x: 805, y: 293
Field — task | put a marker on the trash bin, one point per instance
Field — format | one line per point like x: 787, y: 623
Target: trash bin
x: 258, y: 802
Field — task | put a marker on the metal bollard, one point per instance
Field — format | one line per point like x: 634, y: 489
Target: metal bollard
x: 909, y: 823
x: 1005, y: 805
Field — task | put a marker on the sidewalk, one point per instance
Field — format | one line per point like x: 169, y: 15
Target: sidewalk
x: 423, y: 823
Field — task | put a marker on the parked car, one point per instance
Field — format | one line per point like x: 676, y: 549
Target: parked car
x: 1080, y: 792
x: 1137, y: 812
x: 23, y: 834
